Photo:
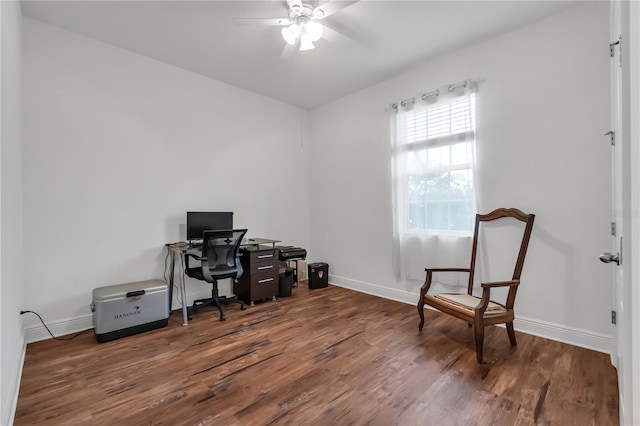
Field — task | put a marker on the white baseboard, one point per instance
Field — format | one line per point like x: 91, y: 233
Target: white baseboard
x: 9, y: 406
x: 374, y: 290
x: 35, y: 333
x: 561, y: 333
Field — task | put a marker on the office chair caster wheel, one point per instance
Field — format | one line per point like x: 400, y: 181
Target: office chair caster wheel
x: 243, y: 307
x: 223, y: 318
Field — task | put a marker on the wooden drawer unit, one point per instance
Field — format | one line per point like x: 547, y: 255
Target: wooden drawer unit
x: 260, y: 278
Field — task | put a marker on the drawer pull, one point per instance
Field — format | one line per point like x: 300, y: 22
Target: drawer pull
x: 266, y: 280
x: 264, y: 267
x: 265, y: 256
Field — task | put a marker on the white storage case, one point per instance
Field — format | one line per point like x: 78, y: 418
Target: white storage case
x: 125, y: 309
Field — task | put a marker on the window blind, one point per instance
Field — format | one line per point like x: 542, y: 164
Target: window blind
x: 446, y: 123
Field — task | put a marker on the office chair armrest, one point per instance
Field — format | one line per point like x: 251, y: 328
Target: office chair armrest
x: 208, y: 277
x: 195, y: 256
x: 511, y: 283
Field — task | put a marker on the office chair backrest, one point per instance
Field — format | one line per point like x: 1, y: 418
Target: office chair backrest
x: 220, y: 249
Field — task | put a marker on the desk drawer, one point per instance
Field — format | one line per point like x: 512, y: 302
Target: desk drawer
x: 263, y: 267
x: 268, y: 255
x: 261, y: 275
x: 265, y: 285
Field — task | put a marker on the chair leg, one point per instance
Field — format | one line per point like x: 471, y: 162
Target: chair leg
x: 197, y: 304
x: 423, y: 291
x: 421, y: 311
x: 228, y: 300
x: 479, y: 332
x: 511, y: 333
x: 219, y: 306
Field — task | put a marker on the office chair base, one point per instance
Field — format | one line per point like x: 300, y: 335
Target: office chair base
x: 216, y: 302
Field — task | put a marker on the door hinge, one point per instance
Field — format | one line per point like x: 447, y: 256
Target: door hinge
x: 612, y: 135
x: 613, y: 229
x: 613, y: 317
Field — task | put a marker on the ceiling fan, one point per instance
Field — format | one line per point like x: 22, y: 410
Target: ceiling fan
x: 303, y: 27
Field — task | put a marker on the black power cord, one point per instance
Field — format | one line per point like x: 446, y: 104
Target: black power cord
x: 45, y: 326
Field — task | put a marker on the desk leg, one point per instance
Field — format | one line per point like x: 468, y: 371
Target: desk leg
x: 172, y: 268
x: 183, y: 290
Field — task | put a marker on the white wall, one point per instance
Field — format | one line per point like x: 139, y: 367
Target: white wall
x: 542, y: 112
x: 12, y: 342
x: 117, y: 147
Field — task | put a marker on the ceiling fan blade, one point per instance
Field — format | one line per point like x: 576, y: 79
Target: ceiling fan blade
x: 281, y: 22
x: 288, y: 51
x: 330, y: 7
x: 334, y: 36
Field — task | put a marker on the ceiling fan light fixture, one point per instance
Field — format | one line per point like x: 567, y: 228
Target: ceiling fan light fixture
x: 290, y: 34
x: 305, y: 42
x: 314, y: 30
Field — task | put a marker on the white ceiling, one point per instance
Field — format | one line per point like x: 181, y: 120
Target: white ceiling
x: 201, y: 36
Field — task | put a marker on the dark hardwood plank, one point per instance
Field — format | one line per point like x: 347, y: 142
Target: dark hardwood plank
x: 324, y: 356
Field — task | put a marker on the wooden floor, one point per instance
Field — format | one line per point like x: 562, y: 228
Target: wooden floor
x: 321, y: 357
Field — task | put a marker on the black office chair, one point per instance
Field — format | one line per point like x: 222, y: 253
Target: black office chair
x: 218, y: 261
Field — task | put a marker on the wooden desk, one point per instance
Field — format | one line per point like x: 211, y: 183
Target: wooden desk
x: 181, y: 248
x: 257, y: 242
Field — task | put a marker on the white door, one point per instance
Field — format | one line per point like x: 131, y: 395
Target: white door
x: 614, y: 136
x: 621, y: 354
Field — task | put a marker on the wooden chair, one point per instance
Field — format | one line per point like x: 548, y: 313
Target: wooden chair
x: 477, y: 311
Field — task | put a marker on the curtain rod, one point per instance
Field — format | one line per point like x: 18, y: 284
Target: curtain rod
x: 425, y: 96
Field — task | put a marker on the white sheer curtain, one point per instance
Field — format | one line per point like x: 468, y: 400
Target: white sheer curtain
x: 433, y: 145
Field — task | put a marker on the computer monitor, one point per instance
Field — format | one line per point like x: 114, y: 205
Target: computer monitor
x: 198, y: 222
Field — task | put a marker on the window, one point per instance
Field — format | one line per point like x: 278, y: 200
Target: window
x: 436, y: 155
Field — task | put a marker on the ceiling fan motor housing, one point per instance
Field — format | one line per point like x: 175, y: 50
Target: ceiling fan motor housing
x: 301, y: 11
